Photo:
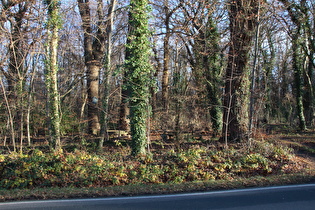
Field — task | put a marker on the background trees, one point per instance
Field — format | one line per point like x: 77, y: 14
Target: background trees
x: 301, y: 33
x: 20, y: 35
x: 202, y: 52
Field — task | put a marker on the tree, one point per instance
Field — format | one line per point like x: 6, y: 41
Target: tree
x: 242, y: 16
x: 94, y: 47
x: 107, y: 73
x: 166, y: 60
x: 124, y: 108
x: 53, y: 25
x: 138, y: 69
x: 207, y: 69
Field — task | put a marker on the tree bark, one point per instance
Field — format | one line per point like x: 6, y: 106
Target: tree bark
x: 166, y: 73
x: 298, y: 69
x: 93, y: 54
x: 123, y: 123
x: 107, y: 73
x: 166, y: 63
x: 93, y: 69
x: 242, y: 15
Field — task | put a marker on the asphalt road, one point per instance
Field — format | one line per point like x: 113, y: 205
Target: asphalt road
x: 298, y: 197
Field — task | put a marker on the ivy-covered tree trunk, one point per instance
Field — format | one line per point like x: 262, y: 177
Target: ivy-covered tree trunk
x: 309, y: 62
x: 207, y: 71
x: 138, y: 69
x: 53, y: 24
x: 309, y: 94
x: 242, y: 15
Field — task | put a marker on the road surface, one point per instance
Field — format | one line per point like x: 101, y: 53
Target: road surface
x: 300, y: 197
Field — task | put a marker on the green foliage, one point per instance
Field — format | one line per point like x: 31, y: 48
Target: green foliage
x: 55, y: 169
x: 197, y: 163
x: 138, y: 69
x: 256, y: 161
x: 55, y: 20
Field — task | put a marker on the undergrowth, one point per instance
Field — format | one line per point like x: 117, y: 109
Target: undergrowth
x: 195, y: 163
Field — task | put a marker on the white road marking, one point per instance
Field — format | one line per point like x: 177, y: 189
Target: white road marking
x: 161, y: 196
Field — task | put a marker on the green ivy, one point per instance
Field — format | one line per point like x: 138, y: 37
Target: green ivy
x: 55, y: 19
x: 54, y: 23
x: 139, y: 71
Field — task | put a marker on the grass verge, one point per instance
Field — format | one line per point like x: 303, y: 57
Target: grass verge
x: 151, y: 189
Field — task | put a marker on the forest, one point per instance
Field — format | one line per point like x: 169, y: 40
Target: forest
x: 84, y: 78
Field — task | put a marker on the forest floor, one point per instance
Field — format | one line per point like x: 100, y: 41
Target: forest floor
x: 302, y: 169
x: 303, y: 144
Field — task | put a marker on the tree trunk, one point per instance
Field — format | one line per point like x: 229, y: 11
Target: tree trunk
x: 253, y: 79
x: 52, y: 65
x: 207, y: 72
x: 107, y: 74
x: 242, y: 16
x: 211, y: 61
x: 138, y: 69
x: 155, y: 76
x: 309, y: 66
x: 298, y: 69
x: 123, y: 123
x: 10, y: 116
x: 93, y: 69
x: 166, y: 63
x: 166, y: 72
x: 93, y: 53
